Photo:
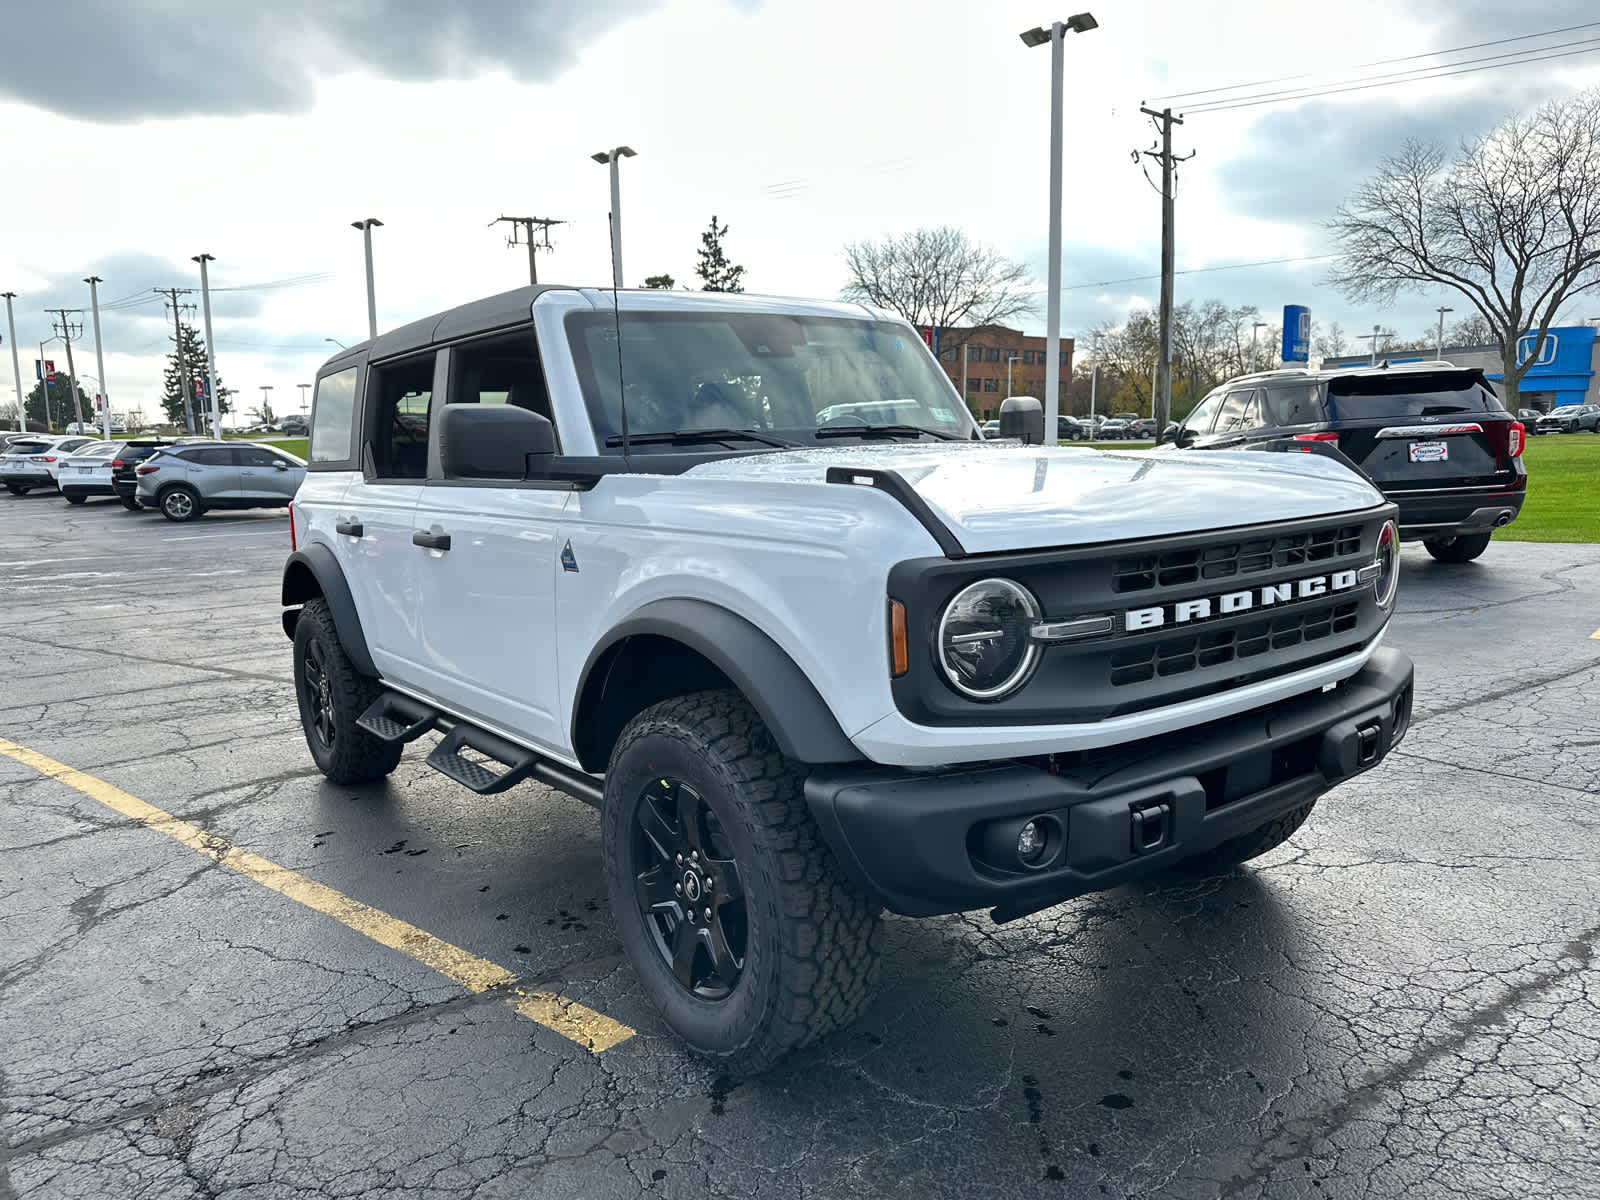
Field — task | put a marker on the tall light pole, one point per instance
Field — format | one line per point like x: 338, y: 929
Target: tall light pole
x: 1038, y: 36
x: 304, y: 388
x: 336, y: 342
x: 94, y: 282
x: 612, y: 158
x: 1253, y: 328
x: 365, y: 225
x: 211, y: 353
x: 16, y: 365
x: 1439, y: 354
x: 265, y: 388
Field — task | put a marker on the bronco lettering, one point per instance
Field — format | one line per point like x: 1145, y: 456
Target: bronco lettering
x: 1183, y: 612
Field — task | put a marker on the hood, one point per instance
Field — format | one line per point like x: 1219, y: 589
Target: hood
x: 1008, y: 497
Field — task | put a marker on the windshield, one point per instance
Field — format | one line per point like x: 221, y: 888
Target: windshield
x: 785, y: 377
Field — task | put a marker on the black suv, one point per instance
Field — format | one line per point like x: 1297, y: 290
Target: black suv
x: 1434, y: 438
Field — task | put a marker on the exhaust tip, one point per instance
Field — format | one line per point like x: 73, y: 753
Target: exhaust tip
x: 1503, y: 519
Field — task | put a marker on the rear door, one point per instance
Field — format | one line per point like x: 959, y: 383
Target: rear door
x: 1422, y: 429
x: 211, y: 471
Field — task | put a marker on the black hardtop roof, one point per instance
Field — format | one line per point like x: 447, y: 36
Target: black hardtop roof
x: 476, y: 316
x: 1460, y: 376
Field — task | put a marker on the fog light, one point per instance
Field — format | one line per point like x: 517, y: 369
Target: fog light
x: 1031, y: 842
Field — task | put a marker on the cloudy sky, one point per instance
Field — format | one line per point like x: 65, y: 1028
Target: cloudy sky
x: 139, y: 133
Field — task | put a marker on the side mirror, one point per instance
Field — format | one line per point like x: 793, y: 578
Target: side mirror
x: 495, y: 441
x: 279, y: 465
x: 1022, y: 417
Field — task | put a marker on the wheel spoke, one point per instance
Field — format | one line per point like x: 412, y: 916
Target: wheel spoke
x: 690, y: 810
x: 685, y: 944
x: 725, y: 967
x: 653, y: 890
x: 663, y: 837
x: 727, y: 888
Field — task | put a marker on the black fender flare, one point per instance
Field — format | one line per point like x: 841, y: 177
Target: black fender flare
x: 319, y: 560
x: 795, y: 713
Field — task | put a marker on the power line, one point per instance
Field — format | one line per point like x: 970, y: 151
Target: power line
x: 1405, y: 77
x: 1266, y: 262
x: 1384, y: 62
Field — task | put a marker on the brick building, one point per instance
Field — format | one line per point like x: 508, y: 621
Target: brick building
x: 990, y: 349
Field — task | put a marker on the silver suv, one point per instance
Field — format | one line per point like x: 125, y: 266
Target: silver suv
x: 185, y: 481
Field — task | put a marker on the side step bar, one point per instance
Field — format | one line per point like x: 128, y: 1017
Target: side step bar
x: 395, y: 718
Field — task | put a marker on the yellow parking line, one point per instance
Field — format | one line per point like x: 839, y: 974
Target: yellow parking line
x: 1595, y: 636
x: 588, y: 1028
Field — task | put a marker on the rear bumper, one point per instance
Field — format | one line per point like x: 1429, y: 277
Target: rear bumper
x: 87, y: 489
x: 32, y: 479
x: 936, y: 841
x: 1451, y: 512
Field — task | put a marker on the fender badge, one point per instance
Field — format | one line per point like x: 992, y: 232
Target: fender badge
x: 569, y: 561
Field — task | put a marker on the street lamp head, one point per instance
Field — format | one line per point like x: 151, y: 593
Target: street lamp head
x: 606, y: 156
x: 1082, y: 23
x: 625, y: 151
x: 1037, y: 36
x: 203, y: 258
x: 601, y: 156
x: 369, y: 223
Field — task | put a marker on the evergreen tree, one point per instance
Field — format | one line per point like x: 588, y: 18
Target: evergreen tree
x: 173, y: 386
x: 661, y: 282
x: 718, y: 274
x: 60, y: 408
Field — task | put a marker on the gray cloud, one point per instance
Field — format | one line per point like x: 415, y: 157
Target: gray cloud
x: 1304, y: 161
x: 198, y: 58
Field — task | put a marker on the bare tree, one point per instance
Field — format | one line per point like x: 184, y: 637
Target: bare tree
x: 938, y: 277
x: 1470, y: 331
x: 1329, y: 344
x: 1512, y: 224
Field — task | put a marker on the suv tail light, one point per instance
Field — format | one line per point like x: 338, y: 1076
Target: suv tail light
x: 1518, y: 436
x: 1316, y: 437
x: 117, y: 462
x: 43, y: 458
x: 1505, y: 438
x: 146, y: 470
x: 294, y: 542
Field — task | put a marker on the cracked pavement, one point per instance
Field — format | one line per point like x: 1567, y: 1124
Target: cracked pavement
x: 1401, y: 1001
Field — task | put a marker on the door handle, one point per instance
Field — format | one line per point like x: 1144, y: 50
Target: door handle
x: 431, y: 541
x: 349, y: 528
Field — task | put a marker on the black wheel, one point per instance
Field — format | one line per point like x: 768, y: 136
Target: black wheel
x: 74, y: 497
x: 180, y: 503
x: 332, y: 694
x: 1458, y: 549
x: 745, y: 935
x: 1225, y: 856
x: 131, y: 503
x: 16, y: 489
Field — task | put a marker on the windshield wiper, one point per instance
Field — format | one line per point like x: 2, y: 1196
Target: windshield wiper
x: 832, y: 431
x: 688, y: 437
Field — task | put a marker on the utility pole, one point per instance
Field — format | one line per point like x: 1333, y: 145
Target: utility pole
x: 539, y: 241
x: 183, y: 363
x: 69, y: 330
x: 211, y: 354
x: 16, y: 366
x: 94, y: 282
x: 1162, y: 406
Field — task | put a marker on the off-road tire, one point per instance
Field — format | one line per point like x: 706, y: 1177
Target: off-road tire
x: 180, y: 503
x: 1460, y: 549
x: 350, y: 755
x: 811, y: 938
x: 74, y: 498
x: 131, y: 503
x: 1225, y: 856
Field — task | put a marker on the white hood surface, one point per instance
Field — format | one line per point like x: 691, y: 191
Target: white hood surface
x: 996, y: 497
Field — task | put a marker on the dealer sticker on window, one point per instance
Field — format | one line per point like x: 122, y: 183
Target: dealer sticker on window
x: 1423, y: 452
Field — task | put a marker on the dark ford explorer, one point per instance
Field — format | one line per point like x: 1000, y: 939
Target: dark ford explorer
x: 1434, y: 438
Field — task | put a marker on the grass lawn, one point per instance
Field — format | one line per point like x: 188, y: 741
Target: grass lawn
x: 1563, y: 502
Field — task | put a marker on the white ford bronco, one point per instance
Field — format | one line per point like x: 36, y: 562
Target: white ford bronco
x: 744, y: 574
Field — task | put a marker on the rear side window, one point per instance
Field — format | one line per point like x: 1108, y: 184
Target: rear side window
x: 332, y: 413
x: 1384, y: 397
x: 1294, y: 404
x: 212, y: 456
x: 398, y: 399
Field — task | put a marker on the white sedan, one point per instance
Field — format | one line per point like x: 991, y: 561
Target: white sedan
x: 86, y: 471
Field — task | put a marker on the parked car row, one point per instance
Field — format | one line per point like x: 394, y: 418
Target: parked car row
x: 182, y: 478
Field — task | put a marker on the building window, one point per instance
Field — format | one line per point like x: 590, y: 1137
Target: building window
x: 1027, y: 358
x: 991, y: 354
x: 1064, y: 355
x: 948, y: 354
x: 991, y: 385
x: 972, y: 383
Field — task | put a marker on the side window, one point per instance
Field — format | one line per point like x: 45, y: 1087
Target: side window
x: 1238, y: 411
x: 1294, y: 404
x: 332, y: 413
x: 1198, y: 422
x: 255, y: 456
x: 504, y: 370
x: 398, y: 396
x: 220, y: 456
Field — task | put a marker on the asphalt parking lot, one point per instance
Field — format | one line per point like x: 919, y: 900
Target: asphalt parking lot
x: 1403, y: 1000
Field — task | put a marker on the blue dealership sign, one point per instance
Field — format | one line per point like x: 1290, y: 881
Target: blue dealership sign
x: 1296, y: 333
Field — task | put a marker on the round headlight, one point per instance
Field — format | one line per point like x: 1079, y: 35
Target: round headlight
x: 1388, y: 563
x: 985, y: 639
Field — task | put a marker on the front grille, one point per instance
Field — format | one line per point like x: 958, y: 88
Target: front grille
x: 1191, y: 652
x: 1225, y: 560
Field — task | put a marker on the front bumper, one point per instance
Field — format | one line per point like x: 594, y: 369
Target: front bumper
x: 924, y: 842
